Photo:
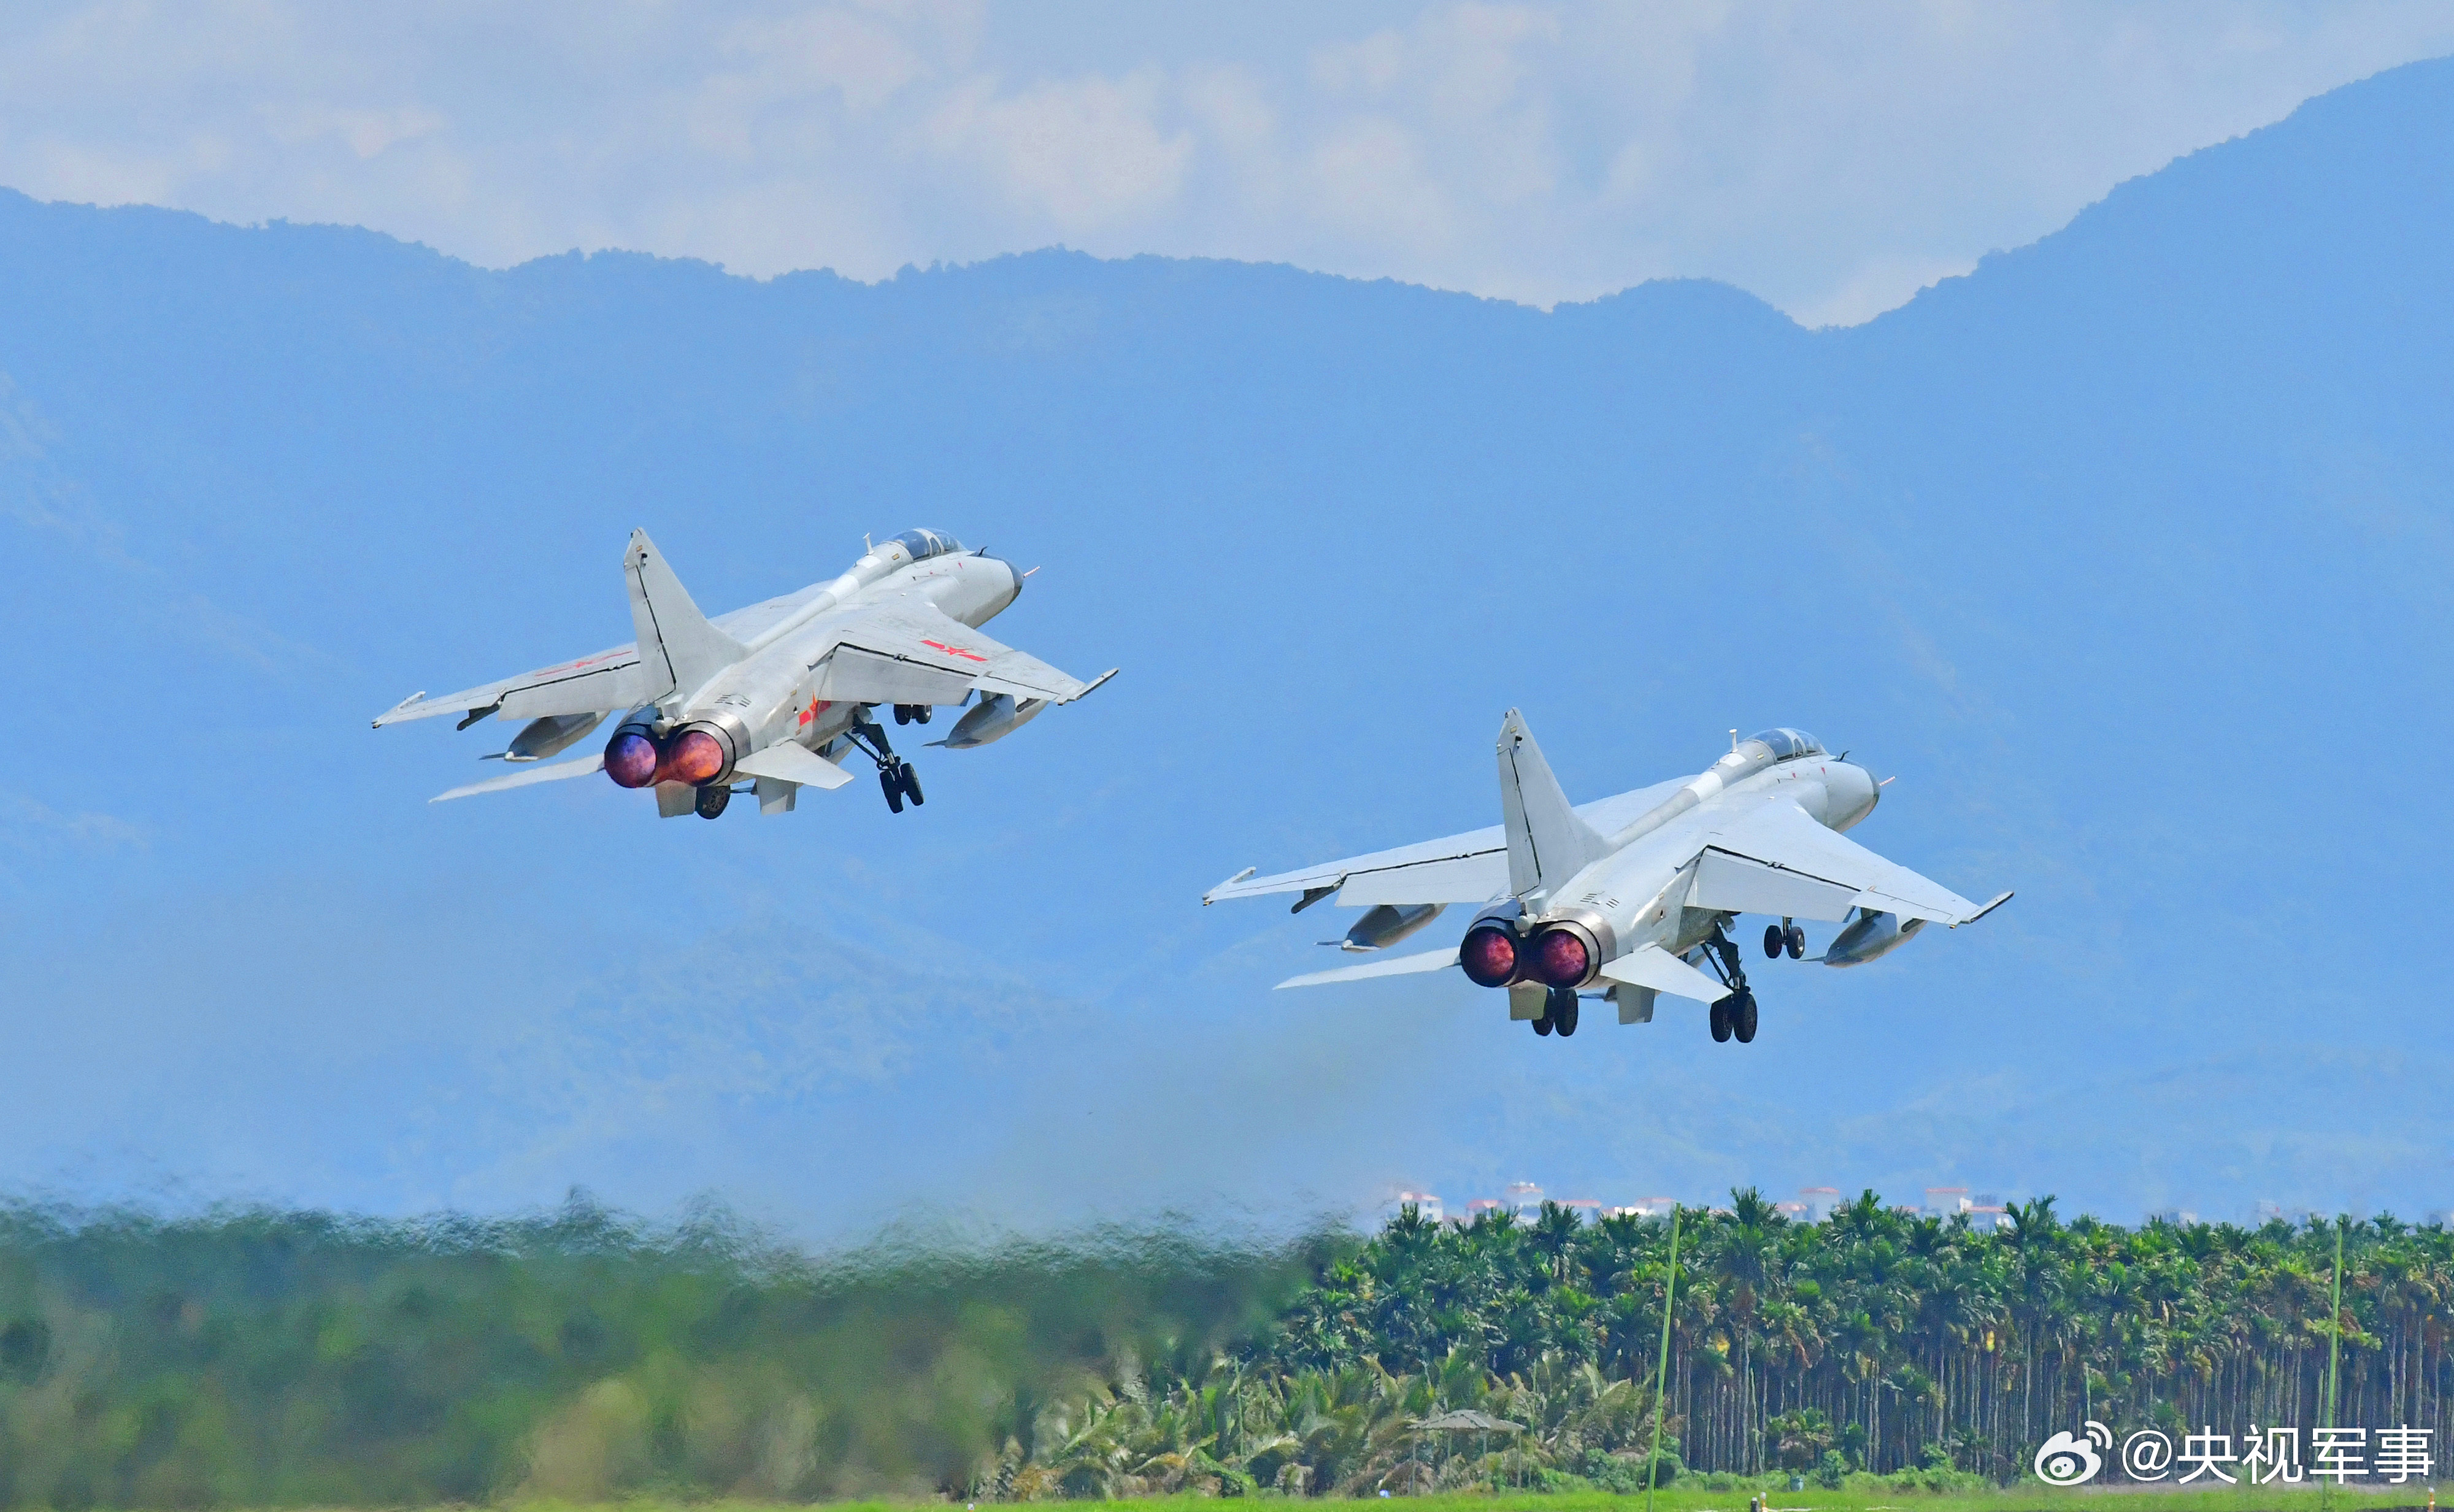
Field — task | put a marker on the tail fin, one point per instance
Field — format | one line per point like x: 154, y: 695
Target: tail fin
x: 678, y: 648
x: 1547, y: 843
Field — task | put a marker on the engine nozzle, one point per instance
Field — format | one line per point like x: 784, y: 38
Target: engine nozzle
x: 1560, y: 958
x: 1490, y: 954
x: 693, y: 756
x: 632, y: 757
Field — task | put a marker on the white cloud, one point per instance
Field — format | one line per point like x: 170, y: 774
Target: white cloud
x: 1830, y: 159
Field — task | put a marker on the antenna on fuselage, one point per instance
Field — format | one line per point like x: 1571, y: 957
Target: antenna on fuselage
x: 866, y: 544
x: 1734, y: 742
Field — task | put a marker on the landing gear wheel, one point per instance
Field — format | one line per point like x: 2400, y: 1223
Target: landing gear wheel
x: 1542, y: 1025
x: 1742, y: 1019
x: 1722, y: 1022
x: 920, y: 713
x: 891, y: 778
x: 1797, y: 943
x: 902, y: 714
x: 711, y: 801
x: 911, y: 785
x: 1774, y: 940
x: 1563, y: 1010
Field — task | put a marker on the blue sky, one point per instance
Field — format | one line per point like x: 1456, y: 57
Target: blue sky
x: 1831, y: 160
x: 2125, y: 553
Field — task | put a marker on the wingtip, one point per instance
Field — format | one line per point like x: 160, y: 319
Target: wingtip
x: 383, y: 717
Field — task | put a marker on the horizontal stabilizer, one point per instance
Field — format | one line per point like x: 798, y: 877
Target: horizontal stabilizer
x: 1401, y: 966
x: 789, y: 762
x: 1651, y: 966
x: 526, y: 776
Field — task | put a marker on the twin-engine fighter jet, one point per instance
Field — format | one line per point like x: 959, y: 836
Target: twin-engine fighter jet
x: 1632, y: 893
x: 774, y: 695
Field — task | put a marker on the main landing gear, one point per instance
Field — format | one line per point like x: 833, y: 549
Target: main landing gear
x: 1784, y: 936
x: 1558, y: 1013
x: 1734, y: 1014
x: 913, y: 714
x: 895, y: 774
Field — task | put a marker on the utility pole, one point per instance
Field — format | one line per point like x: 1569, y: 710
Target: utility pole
x: 1662, y: 1376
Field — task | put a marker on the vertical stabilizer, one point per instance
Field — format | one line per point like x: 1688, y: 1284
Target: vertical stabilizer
x: 1547, y: 843
x: 678, y: 648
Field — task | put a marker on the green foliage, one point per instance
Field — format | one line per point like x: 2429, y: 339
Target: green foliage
x: 251, y: 1358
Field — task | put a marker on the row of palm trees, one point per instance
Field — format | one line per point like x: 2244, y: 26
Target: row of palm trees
x: 1499, y: 1351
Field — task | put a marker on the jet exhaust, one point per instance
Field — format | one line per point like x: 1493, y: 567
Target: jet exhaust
x: 1491, y: 955
x: 1560, y: 958
x: 696, y: 756
x: 632, y: 757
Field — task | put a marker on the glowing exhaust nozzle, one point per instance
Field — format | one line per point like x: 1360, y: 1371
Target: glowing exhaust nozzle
x: 1560, y: 958
x: 1489, y: 955
x: 696, y: 757
x: 631, y: 757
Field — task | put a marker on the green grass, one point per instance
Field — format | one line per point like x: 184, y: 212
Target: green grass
x: 1689, y: 1499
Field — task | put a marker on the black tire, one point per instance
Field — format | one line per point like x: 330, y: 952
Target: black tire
x: 1797, y: 943
x: 911, y: 785
x: 1742, y: 1021
x: 920, y: 713
x: 1772, y: 941
x: 1563, y: 1010
x: 1542, y: 1025
x: 889, y: 779
x: 1722, y: 1022
x: 711, y: 801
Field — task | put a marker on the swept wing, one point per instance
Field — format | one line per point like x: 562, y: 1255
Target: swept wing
x: 1775, y: 859
x: 909, y: 651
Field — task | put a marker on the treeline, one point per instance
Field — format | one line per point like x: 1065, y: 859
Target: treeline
x: 274, y: 1359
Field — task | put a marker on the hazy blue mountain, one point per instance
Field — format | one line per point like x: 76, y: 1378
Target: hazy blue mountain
x: 2127, y: 554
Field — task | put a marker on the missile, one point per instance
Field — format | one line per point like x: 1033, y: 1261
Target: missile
x: 1869, y: 936
x: 996, y: 717
x: 1386, y: 923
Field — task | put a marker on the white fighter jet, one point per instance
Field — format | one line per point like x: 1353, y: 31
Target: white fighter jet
x: 776, y: 696
x: 1632, y: 894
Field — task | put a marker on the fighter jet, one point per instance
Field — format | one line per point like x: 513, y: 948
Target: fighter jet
x: 771, y: 699
x: 1635, y: 895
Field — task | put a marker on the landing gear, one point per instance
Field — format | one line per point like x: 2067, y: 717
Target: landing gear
x: 1774, y: 940
x: 1562, y: 1010
x: 895, y: 774
x: 711, y: 800
x: 1797, y: 943
x: 1784, y: 936
x: 1735, y: 1012
x: 1542, y: 1025
x: 912, y: 713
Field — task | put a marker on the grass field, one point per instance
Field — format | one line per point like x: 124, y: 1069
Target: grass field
x: 1871, y: 1499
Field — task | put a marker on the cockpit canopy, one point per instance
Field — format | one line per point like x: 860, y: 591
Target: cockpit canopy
x: 921, y: 545
x: 1784, y: 743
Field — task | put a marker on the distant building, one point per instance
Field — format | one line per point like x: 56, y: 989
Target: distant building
x: 1644, y: 1207
x: 1942, y: 1202
x: 2177, y: 1216
x: 1586, y: 1209
x: 1795, y: 1212
x: 1523, y: 1198
x: 1819, y: 1201
x: 1422, y: 1203
x: 1478, y: 1207
x: 1987, y: 1217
